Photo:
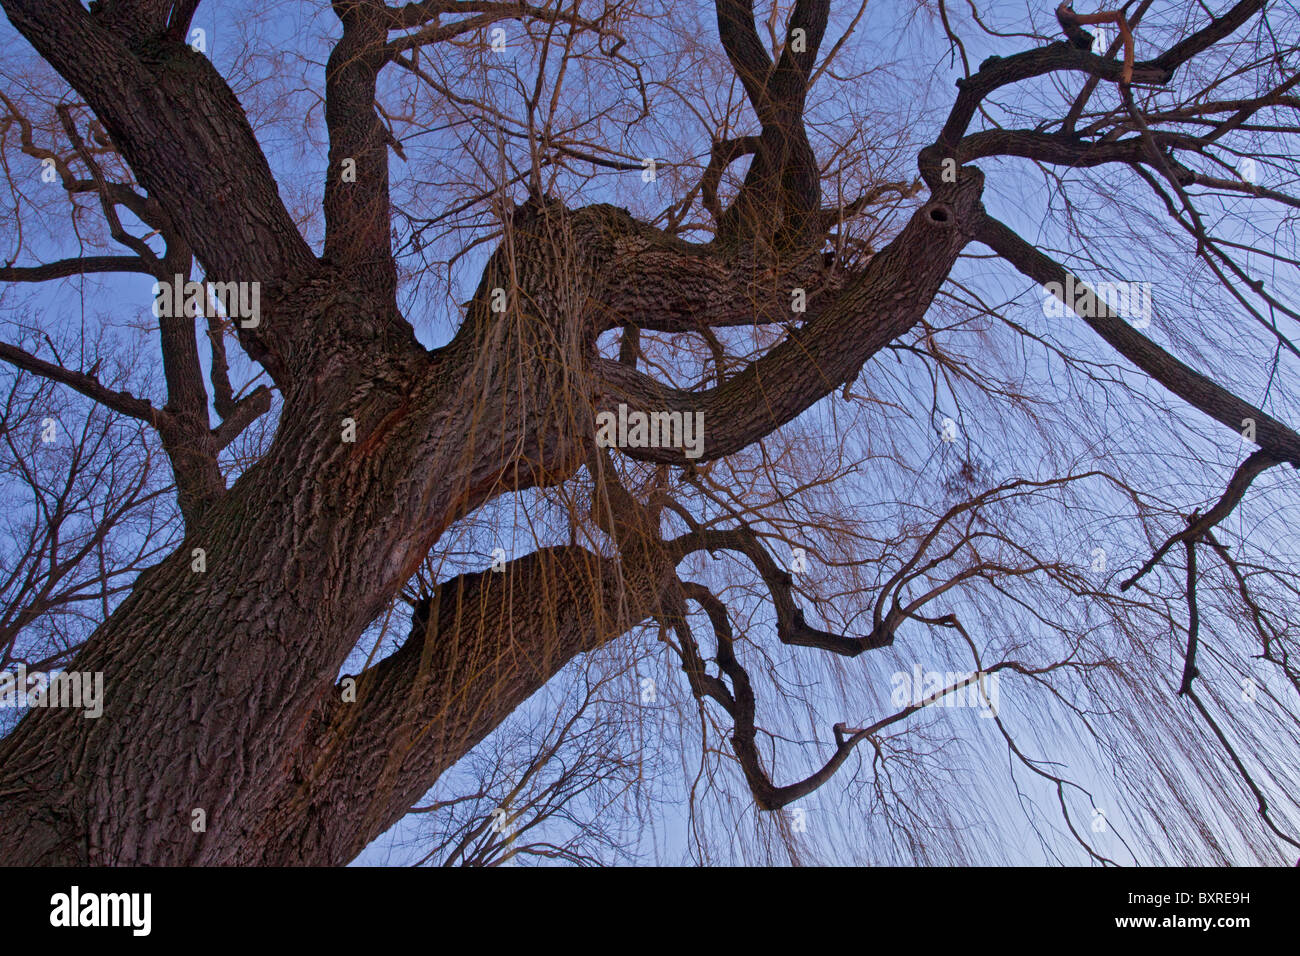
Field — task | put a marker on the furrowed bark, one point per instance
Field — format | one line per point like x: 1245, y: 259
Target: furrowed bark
x: 210, y: 677
x: 492, y: 640
x: 356, y: 207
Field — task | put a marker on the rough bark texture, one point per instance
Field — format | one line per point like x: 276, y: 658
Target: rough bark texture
x: 223, y: 684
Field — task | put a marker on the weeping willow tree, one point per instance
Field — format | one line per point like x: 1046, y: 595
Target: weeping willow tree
x: 601, y: 432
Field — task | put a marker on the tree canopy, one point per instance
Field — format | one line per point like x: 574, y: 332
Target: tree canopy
x: 600, y: 432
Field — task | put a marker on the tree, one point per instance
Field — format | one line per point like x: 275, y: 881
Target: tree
x: 627, y: 392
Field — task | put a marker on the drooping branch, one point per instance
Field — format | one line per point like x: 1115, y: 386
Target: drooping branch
x: 1190, y: 673
x: 1261, y: 803
x: 791, y: 626
x: 741, y: 704
x: 1199, y: 391
x: 1198, y: 525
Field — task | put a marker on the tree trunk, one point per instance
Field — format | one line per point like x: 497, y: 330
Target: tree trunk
x: 210, y: 677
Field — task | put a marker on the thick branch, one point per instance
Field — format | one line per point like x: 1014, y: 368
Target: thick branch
x: 247, y: 410
x: 188, y: 141
x: 745, y: 50
x: 357, y: 216
x: 886, y: 300
x: 1194, y: 388
x: 791, y: 627
x: 996, y: 72
x: 86, y: 265
x: 782, y: 189
x: 486, y: 643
